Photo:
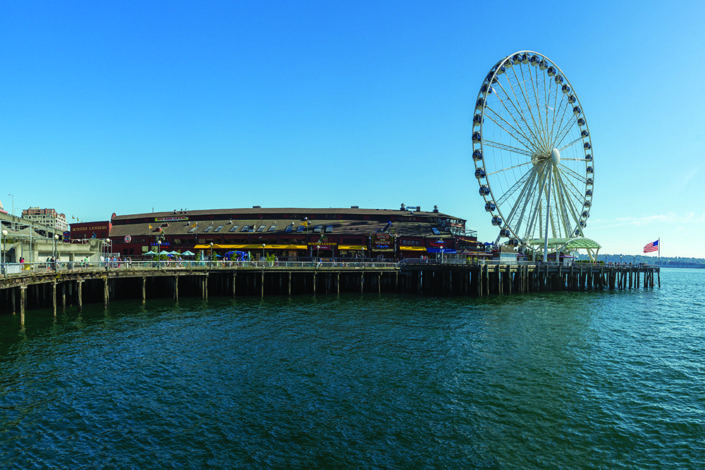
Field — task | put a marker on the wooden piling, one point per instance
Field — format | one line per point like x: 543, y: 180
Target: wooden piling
x: 23, y: 299
x: 80, y: 296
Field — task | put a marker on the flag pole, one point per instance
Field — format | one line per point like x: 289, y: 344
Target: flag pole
x: 658, y: 263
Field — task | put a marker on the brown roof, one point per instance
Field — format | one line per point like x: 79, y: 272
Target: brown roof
x: 286, y: 210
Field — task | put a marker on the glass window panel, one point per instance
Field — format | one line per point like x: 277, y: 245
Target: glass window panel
x: 234, y: 228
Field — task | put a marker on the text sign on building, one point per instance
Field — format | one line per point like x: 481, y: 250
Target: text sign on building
x: 170, y: 219
x: 382, y: 240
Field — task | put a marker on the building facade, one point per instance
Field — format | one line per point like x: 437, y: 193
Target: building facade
x: 46, y: 217
x: 290, y: 233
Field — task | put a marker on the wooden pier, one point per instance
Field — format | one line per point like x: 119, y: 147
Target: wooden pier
x: 71, y: 288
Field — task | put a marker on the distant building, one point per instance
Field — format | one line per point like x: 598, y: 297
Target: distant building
x: 2, y: 209
x: 46, y: 217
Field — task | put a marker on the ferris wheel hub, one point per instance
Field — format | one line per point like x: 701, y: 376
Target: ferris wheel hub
x: 555, y: 156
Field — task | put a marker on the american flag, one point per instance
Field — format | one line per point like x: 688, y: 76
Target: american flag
x: 653, y: 246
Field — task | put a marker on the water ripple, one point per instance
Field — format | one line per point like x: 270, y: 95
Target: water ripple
x: 565, y: 380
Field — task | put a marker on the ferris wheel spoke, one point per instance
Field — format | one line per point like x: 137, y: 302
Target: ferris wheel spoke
x: 563, y: 202
x: 512, y: 190
x: 508, y: 168
x: 564, y: 130
x: 520, y: 84
x: 518, y: 214
x: 569, y: 205
x: 579, y: 139
x: 508, y: 148
x: 536, y: 211
x: 570, y: 180
x: 557, y: 108
x: 518, y: 112
x: 572, y: 173
x: 517, y: 134
x: 535, y: 85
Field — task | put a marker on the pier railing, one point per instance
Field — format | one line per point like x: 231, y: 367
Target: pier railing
x: 20, y: 269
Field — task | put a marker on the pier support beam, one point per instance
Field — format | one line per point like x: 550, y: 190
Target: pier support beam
x: 106, y: 293
x: 176, y: 288
x: 80, y: 296
x: 23, y: 299
x: 53, y: 296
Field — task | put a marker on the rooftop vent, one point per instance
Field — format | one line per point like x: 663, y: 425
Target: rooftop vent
x: 354, y: 207
x: 435, y: 209
x: 256, y: 207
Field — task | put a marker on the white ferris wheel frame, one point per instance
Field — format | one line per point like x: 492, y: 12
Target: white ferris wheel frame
x: 532, y: 151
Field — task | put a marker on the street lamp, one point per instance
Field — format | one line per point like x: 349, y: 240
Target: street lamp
x: 56, y: 237
x: 159, y: 250
x: 211, y: 258
x: 2, y: 260
x: 263, y: 245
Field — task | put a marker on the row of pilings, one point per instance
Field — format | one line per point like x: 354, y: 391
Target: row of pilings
x: 493, y: 279
x: 59, y: 291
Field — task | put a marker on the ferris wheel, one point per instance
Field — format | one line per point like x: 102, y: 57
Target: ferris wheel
x: 532, y: 151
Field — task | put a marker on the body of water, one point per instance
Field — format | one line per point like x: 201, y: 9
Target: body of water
x: 549, y: 380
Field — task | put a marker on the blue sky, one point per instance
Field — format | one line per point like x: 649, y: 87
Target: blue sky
x: 133, y: 106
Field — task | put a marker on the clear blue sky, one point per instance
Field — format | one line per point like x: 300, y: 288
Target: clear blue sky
x: 133, y: 106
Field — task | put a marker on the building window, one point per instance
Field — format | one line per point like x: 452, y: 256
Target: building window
x: 317, y: 229
x: 219, y: 228
x: 300, y: 228
x: 272, y: 228
x: 289, y: 228
x: 208, y: 229
x: 261, y: 228
x: 329, y: 229
x: 234, y: 228
x: 245, y: 228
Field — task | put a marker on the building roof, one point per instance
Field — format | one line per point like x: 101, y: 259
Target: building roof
x: 200, y: 223
x: 257, y: 211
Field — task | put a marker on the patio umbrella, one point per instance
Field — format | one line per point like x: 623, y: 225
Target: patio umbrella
x: 187, y: 253
x: 164, y: 252
x: 150, y: 253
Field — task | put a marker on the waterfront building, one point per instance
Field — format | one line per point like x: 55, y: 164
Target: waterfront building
x: 291, y: 233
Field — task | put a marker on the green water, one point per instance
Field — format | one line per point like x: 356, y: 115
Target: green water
x: 556, y: 380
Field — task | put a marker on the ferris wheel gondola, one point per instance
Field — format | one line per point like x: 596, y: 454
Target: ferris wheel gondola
x: 532, y: 151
